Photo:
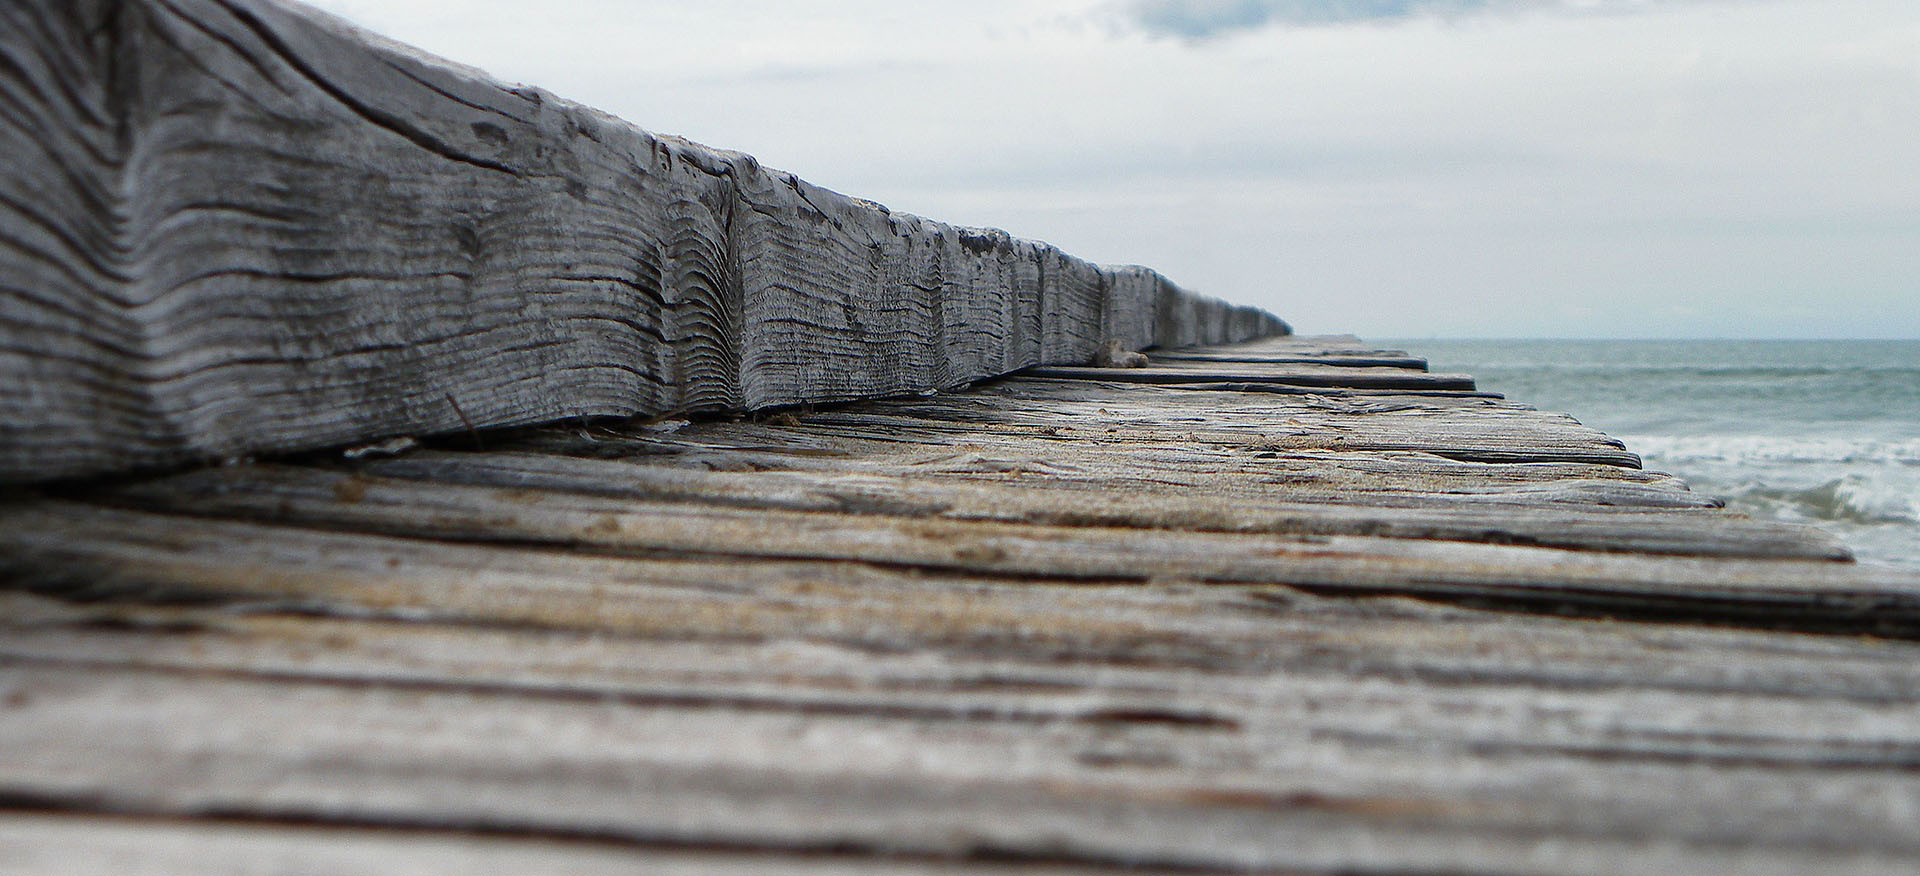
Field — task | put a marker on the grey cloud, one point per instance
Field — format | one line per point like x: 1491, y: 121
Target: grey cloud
x: 1204, y: 19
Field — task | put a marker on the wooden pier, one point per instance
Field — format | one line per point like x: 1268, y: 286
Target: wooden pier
x: 1065, y: 621
x: 407, y: 472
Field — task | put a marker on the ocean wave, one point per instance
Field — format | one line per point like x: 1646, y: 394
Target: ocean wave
x: 1759, y: 449
x: 1695, y: 372
x: 1851, y: 499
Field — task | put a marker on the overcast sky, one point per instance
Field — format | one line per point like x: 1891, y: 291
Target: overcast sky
x: 1395, y: 168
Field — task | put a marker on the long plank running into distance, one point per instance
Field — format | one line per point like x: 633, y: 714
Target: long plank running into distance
x: 242, y: 226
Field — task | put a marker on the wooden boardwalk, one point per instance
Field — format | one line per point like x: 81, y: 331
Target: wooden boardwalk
x: 1294, y: 606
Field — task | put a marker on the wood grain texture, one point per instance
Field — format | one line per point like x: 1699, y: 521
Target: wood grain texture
x: 241, y: 226
x: 1044, y: 625
x: 762, y: 513
x: 1316, y: 375
x: 786, y: 706
x: 38, y: 845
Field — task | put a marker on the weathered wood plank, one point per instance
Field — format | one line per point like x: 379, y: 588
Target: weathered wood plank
x: 1176, y: 463
x: 1287, y: 374
x: 63, y: 845
x: 1242, y: 795
x: 1038, y: 500
x: 1105, y: 822
x: 1378, y: 360
x: 1299, y: 345
x: 66, y: 546
x: 1514, y: 517
x: 1466, y: 429
x: 237, y: 226
x: 1013, y: 653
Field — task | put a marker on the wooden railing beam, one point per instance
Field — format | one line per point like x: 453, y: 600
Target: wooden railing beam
x: 232, y: 227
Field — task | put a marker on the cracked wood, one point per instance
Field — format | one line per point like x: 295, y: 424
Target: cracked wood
x: 241, y: 226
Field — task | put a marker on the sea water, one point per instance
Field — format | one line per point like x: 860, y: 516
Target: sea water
x: 1819, y: 432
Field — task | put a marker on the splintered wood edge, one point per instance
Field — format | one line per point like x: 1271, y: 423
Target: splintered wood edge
x: 231, y: 227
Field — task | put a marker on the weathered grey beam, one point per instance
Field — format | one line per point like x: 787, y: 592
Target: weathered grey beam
x: 384, y: 505
x: 1373, y: 361
x: 120, y: 552
x: 241, y: 226
x: 1284, y: 374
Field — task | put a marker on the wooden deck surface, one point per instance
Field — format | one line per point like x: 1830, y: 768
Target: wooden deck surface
x: 1294, y: 606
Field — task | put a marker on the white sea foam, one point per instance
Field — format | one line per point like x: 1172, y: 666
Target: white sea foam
x: 1860, y: 481
x: 1761, y: 449
x: 1853, y: 498
x: 1877, y: 501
